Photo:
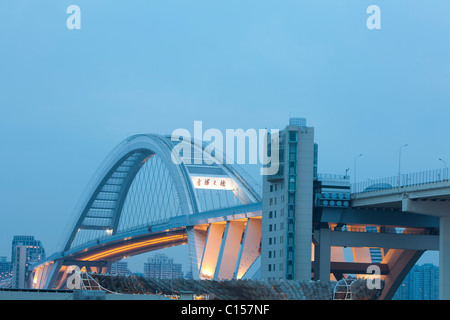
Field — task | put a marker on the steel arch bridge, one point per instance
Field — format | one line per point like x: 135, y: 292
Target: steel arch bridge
x: 144, y: 198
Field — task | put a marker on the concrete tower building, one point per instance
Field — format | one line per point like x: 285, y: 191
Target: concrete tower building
x: 287, y: 209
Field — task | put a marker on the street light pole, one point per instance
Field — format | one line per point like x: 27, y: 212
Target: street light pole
x: 445, y: 169
x: 445, y: 164
x: 399, y: 161
x: 354, y: 169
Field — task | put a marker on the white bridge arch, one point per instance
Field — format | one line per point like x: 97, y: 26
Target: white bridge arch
x: 139, y: 187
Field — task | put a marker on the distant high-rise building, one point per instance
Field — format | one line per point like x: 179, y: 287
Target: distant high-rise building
x: 25, y: 252
x: 421, y: 283
x: 35, y: 249
x: 120, y: 268
x: 287, y: 207
x: 162, y: 267
x: 5, y: 268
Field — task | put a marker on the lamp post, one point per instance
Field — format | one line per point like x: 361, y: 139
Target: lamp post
x: 400, y: 161
x: 445, y: 169
x: 445, y: 164
x: 354, y: 169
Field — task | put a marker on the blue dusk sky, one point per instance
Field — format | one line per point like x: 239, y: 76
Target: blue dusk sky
x: 68, y: 97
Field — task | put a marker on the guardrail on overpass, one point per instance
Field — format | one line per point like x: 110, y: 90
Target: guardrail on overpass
x: 402, y: 180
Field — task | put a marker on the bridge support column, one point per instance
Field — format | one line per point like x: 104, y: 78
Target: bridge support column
x: 441, y: 209
x: 399, y: 263
x: 37, y: 276
x: 53, y: 274
x: 249, y: 249
x: 196, y: 242
x: 322, y: 255
x: 229, y: 250
x: 211, y: 251
x: 444, y: 258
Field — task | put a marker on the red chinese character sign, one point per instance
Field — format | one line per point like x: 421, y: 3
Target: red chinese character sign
x: 217, y: 183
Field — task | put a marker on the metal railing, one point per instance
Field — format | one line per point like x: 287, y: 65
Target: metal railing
x: 401, y: 180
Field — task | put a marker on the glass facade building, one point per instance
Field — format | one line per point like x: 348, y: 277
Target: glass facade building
x: 421, y: 283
